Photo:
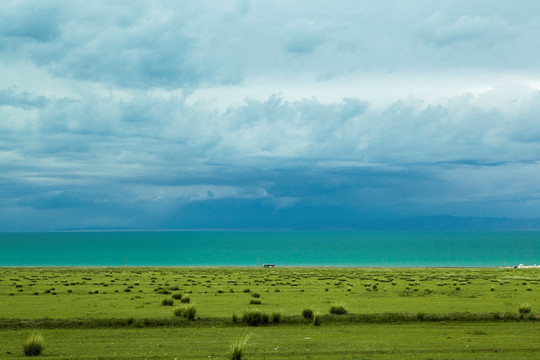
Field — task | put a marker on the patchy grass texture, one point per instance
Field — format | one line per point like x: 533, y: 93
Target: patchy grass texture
x: 119, y: 313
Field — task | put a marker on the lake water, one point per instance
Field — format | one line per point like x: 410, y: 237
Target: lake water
x: 283, y: 248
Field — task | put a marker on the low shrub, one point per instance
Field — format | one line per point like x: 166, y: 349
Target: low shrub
x: 256, y: 295
x: 34, y: 345
x: 338, y: 309
x: 185, y: 300
x: 177, y: 296
x: 276, y: 317
x: 255, y: 302
x: 307, y: 314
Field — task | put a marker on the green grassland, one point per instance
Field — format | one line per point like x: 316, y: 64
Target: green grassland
x: 118, y: 313
x: 418, y: 341
x: 220, y: 292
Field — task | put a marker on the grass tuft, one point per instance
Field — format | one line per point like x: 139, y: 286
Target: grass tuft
x: 307, y: 314
x: 525, y: 309
x: 186, y: 312
x: 338, y: 309
x: 276, y: 317
x: 34, y: 345
x: 167, y: 302
x: 237, y: 348
x: 255, y: 318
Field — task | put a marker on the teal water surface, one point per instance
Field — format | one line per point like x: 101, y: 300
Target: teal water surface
x: 247, y: 248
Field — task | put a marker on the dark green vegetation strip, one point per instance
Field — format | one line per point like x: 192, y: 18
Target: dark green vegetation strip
x: 388, y: 318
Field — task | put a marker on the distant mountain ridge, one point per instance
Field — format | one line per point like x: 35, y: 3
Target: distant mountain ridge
x: 421, y: 223
x: 452, y: 223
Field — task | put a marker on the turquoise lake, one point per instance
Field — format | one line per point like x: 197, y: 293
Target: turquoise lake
x: 282, y: 248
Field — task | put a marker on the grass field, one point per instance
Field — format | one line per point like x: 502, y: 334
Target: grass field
x: 119, y: 313
x: 418, y: 341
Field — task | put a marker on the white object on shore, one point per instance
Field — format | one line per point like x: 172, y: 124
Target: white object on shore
x: 521, y: 266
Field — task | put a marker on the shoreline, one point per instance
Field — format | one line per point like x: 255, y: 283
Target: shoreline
x: 259, y: 267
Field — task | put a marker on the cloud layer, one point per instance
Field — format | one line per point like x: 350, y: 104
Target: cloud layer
x: 266, y: 114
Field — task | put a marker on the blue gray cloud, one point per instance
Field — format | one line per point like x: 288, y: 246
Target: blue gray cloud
x: 266, y: 114
x: 22, y: 100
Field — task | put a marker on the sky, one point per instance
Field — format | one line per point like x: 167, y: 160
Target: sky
x: 266, y: 114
